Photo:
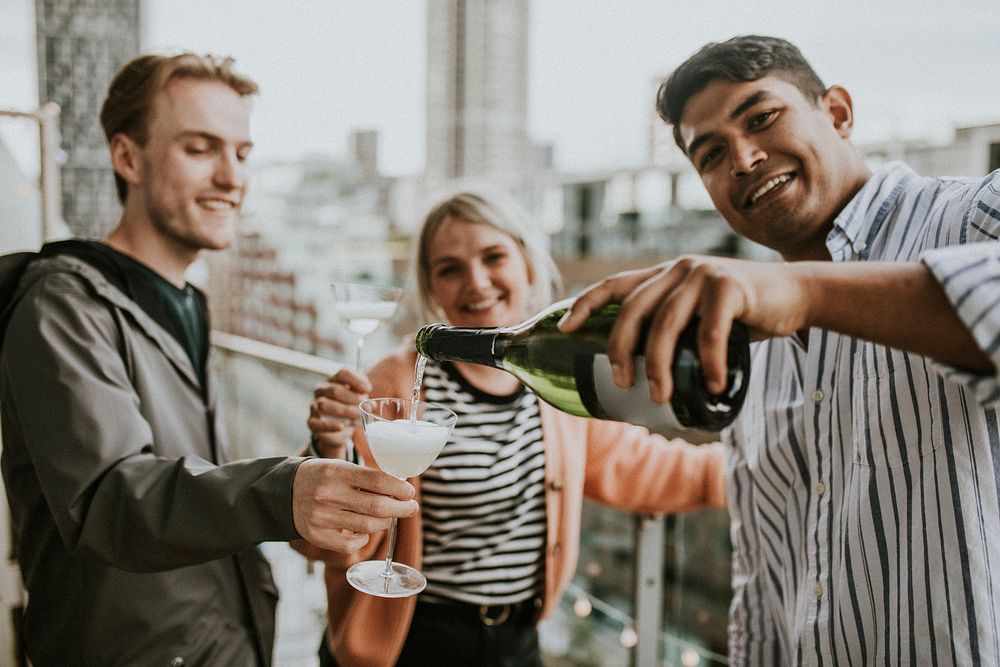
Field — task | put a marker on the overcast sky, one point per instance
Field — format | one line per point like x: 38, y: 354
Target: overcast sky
x: 915, y: 68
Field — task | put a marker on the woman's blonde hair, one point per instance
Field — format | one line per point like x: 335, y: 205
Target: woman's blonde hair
x: 500, y: 211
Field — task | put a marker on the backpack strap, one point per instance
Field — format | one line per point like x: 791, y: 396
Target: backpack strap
x: 12, y: 267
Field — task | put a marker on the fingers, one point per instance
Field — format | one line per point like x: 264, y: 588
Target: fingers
x: 638, y: 308
x: 376, y: 481
x: 336, y: 403
x: 330, y: 496
x: 723, y: 299
x: 337, y: 399
x: 355, y: 381
x: 612, y: 289
x: 331, y: 417
x: 668, y: 304
x: 333, y: 444
x: 706, y: 287
x: 664, y: 302
x: 339, y: 541
x: 332, y: 518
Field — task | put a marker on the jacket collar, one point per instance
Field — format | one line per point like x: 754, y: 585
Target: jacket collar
x: 110, y: 293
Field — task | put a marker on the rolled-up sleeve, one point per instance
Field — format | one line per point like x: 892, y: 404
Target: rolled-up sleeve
x: 970, y: 277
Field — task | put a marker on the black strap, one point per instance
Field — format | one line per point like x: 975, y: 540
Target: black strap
x: 12, y: 267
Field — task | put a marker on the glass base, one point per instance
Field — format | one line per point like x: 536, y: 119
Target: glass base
x: 403, y: 581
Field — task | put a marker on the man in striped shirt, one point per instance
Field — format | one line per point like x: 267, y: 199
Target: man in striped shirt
x: 865, y: 466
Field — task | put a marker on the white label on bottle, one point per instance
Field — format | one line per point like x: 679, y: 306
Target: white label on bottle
x: 631, y: 405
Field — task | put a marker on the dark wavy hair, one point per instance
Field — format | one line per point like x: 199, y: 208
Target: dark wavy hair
x: 743, y: 58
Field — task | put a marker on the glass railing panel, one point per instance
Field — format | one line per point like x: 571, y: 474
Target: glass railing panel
x: 696, y: 571
x: 598, y: 617
x: 598, y: 606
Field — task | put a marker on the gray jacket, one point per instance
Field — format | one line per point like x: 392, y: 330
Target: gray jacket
x: 136, y: 538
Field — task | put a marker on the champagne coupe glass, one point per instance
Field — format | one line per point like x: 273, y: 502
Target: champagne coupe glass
x: 363, y: 308
x: 405, y: 437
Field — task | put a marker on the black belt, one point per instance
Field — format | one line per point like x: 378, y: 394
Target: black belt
x: 489, y: 615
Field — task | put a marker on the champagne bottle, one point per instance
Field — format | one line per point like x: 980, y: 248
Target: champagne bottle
x: 571, y: 371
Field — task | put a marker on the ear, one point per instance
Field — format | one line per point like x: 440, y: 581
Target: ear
x: 126, y: 159
x: 836, y: 101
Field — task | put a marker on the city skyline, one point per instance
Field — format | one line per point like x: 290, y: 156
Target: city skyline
x: 913, y: 68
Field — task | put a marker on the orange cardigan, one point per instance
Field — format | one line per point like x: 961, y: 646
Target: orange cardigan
x: 616, y: 464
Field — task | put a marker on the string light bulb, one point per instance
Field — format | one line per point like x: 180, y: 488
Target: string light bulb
x: 690, y: 657
x: 629, y: 637
x: 582, y: 607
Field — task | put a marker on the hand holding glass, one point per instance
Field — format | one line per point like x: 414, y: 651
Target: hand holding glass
x: 404, y: 437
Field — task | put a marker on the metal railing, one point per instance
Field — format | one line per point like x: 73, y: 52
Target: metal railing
x: 12, y: 594
x: 47, y: 118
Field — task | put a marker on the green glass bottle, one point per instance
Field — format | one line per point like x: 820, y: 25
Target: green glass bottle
x: 571, y: 371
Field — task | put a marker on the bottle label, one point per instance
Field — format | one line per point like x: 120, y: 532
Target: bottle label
x: 631, y: 405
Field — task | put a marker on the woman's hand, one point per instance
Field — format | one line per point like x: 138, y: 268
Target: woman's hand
x: 334, y: 412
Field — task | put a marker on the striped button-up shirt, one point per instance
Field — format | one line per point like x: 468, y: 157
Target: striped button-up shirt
x: 865, y: 480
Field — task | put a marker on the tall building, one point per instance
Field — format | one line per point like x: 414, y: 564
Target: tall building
x: 81, y: 44
x: 477, y: 90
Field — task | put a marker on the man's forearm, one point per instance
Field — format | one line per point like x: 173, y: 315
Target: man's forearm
x: 897, y: 305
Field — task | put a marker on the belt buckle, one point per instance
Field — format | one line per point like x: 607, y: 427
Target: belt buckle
x: 489, y: 621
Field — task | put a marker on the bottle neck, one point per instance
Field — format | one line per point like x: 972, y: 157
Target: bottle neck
x: 474, y: 346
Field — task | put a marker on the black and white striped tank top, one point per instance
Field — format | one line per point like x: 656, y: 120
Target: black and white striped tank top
x: 483, y: 498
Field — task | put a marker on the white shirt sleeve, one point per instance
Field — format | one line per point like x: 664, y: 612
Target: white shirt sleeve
x: 970, y: 277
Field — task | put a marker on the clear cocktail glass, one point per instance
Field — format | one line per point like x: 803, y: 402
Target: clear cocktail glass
x: 404, y: 437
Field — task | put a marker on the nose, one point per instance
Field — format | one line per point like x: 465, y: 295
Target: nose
x: 479, y: 276
x: 230, y: 172
x: 746, y: 155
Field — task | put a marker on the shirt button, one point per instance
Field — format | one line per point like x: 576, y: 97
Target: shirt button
x: 862, y: 246
x: 817, y: 395
x: 818, y: 590
x: 820, y: 489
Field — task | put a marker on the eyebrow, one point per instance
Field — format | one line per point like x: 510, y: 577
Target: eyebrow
x: 208, y: 136
x: 747, y: 103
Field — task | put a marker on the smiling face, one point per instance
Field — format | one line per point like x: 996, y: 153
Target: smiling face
x: 778, y: 168
x: 190, y: 177
x: 478, y: 275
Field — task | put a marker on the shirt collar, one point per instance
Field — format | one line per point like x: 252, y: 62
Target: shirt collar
x: 857, y: 225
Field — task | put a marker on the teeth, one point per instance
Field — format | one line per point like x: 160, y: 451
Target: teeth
x: 216, y: 204
x: 481, y: 305
x: 767, y: 187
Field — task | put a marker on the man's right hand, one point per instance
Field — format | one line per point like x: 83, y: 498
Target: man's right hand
x: 770, y: 298
x: 336, y: 505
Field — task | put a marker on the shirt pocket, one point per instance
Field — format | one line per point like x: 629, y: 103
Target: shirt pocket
x: 891, y: 404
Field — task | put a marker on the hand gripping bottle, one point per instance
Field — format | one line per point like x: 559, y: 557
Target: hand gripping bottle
x: 571, y: 371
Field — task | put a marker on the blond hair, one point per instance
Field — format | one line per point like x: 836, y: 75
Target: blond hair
x: 498, y: 210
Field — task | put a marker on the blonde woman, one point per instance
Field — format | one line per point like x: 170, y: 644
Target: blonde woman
x: 497, y: 536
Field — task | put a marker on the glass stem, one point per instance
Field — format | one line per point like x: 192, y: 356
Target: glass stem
x: 387, y: 572
x: 360, y: 349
